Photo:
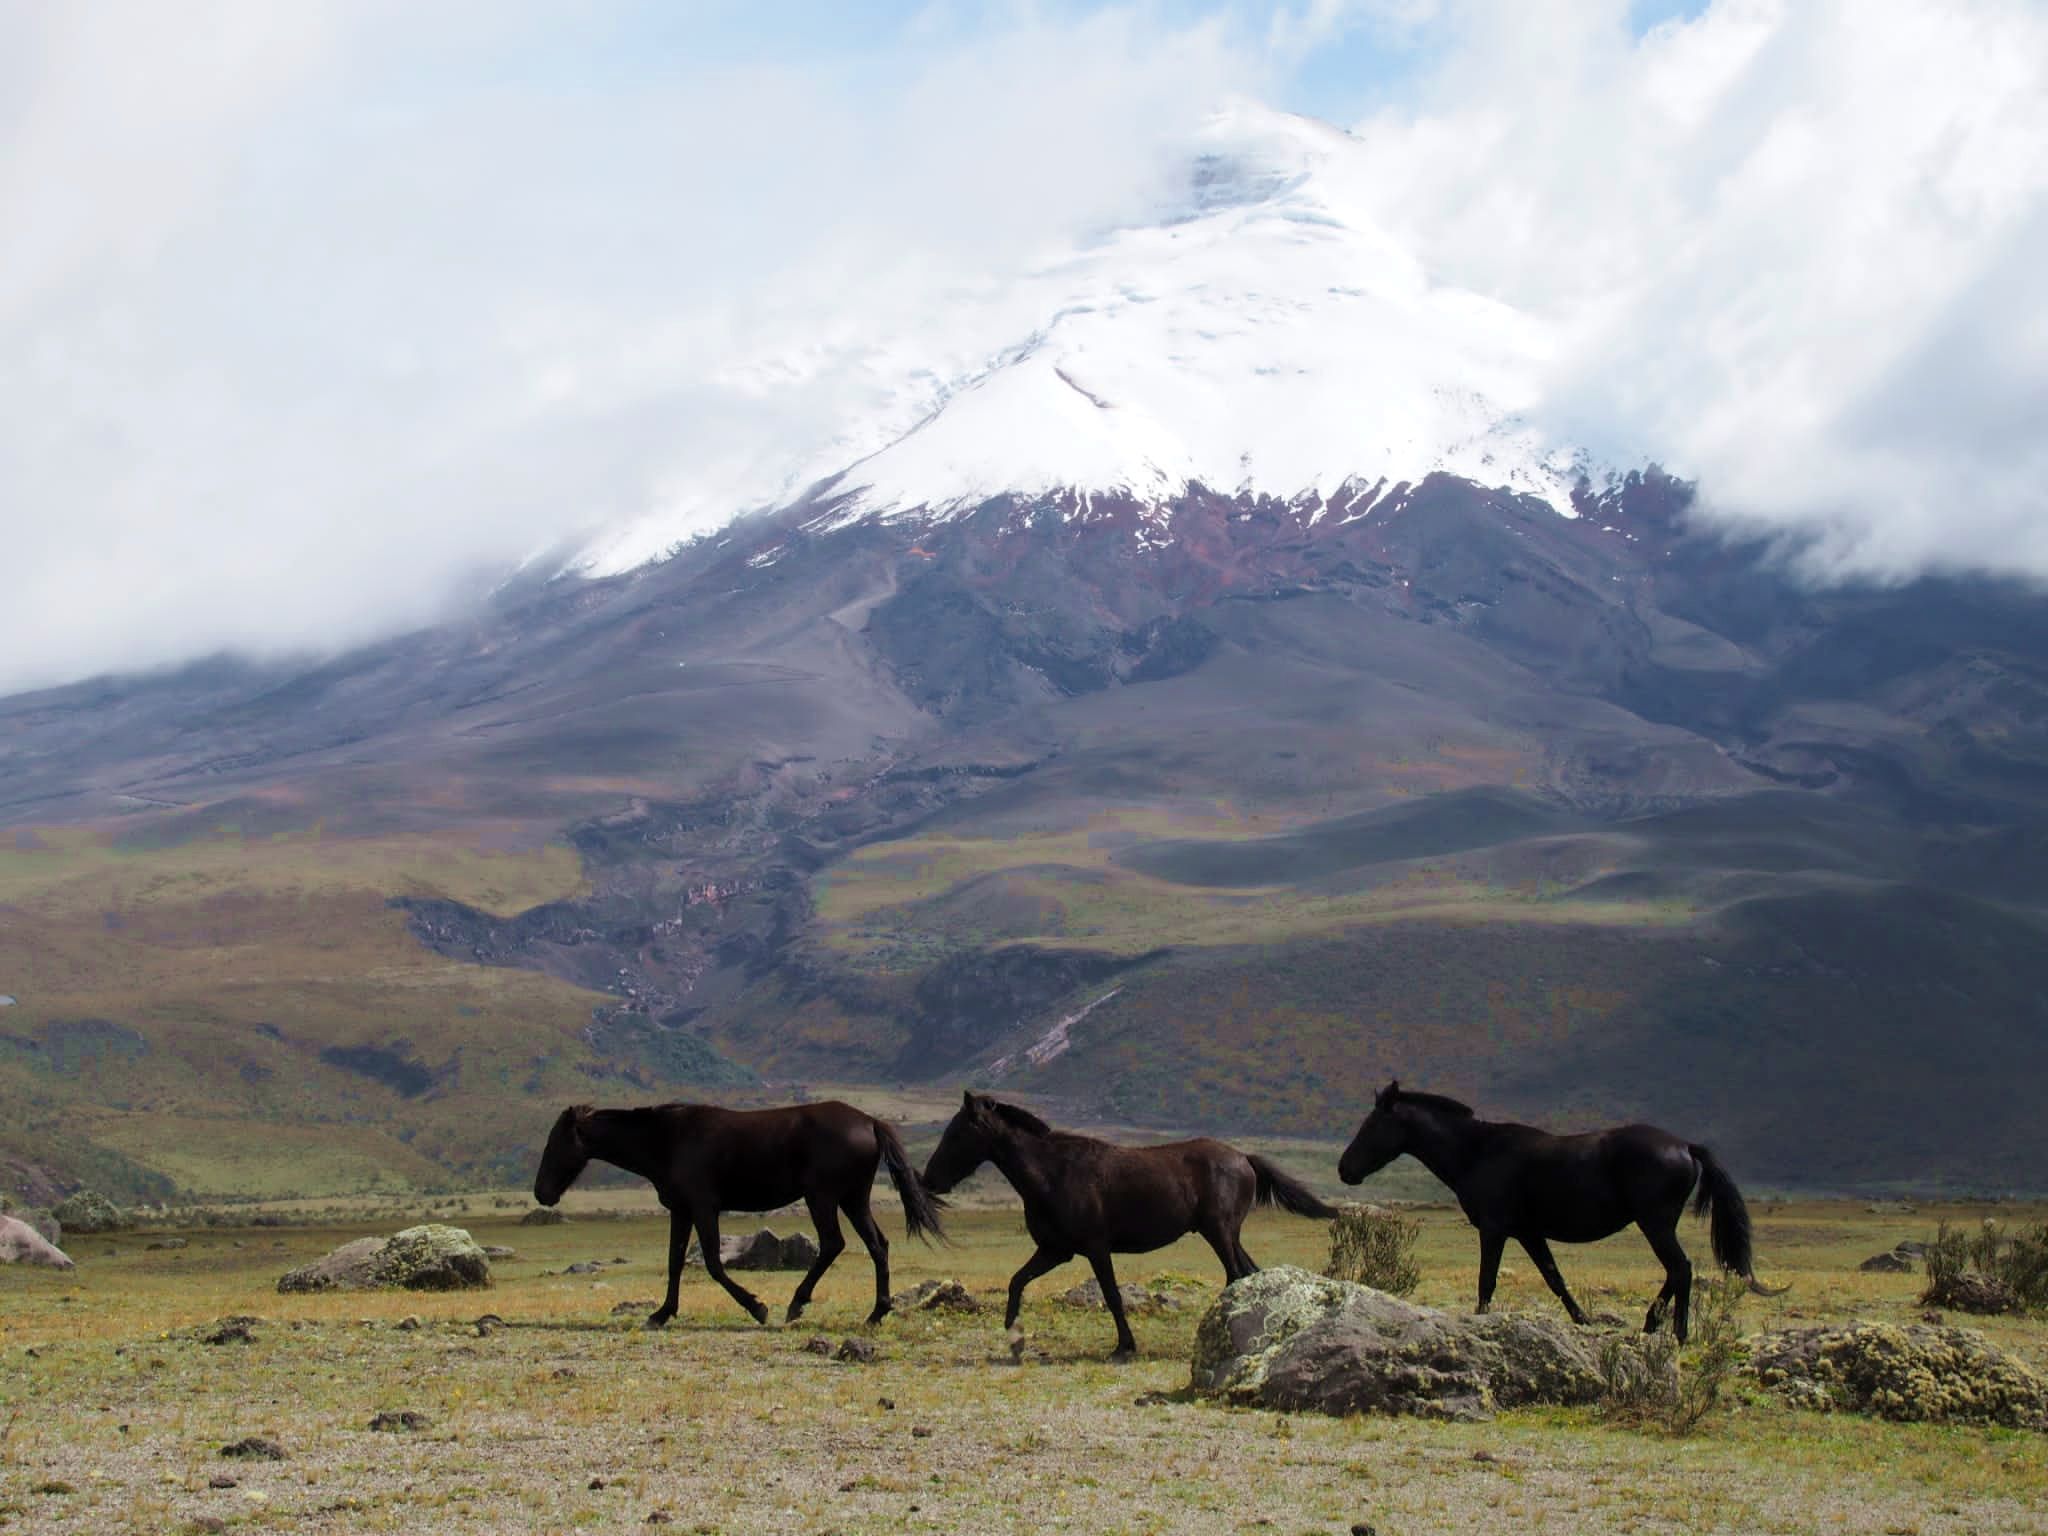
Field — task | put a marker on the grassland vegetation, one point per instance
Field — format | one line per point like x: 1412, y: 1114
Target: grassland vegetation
x: 1373, y: 1246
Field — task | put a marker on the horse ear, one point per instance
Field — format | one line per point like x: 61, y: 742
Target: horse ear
x: 967, y: 1098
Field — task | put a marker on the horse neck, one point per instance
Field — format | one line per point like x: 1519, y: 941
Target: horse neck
x: 1445, y: 1145
x: 1025, y: 1160
x: 623, y: 1138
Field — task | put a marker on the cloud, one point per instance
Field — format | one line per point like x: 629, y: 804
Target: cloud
x: 312, y: 318
x: 1797, y: 249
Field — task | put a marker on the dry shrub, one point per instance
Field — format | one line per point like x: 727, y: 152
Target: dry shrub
x: 1375, y: 1247
x: 1651, y: 1383
x: 1994, y: 1271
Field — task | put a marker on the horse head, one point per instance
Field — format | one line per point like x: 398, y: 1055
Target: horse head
x: 969, y: 1140
x: 1381, y: 1138
x: 566, y: 1156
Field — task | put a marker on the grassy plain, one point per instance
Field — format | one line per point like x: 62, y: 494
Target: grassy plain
x: 108, y: 1392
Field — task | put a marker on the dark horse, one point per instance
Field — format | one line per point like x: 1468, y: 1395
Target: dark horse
x: 1093, y: 1198
x: 1516, y: 1181
x: 702, y: 1160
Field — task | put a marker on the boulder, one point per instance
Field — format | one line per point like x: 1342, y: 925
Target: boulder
x: 1909, y: 1372
x: 90, y: 1211
x: 1284, y: 1338
x: 1137, y: 1298
x: 762, y: 1250
x: 542, y: 1216
x: 934, y: 1296
x: 429, y: 1258
x: 20, y: 1243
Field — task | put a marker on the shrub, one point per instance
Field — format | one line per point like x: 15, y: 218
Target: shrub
x: 1649, y: 1382
x: 1993, y: 1271
x: 1375, y: 1247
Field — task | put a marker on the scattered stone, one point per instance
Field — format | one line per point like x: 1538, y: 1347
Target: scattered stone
x: 90, y: 1212
x: 489, y: 1324
x: 254, y: 1448
x: 617, y: 1260
x: 596, y: 1484
x: 167, y: 1244
x: 1893, y: 1263
x: 1284, y: 1338
x: 542, y: 1216
x: 56, y: 1487
x: 935, y: 1296
x: 1362, y: 1528
x: 497, y: 1253
x: 1911, y: 1373
x: 20, y: 1243
x: 658, y: 1517
x: 429, y: 1258
x: 856, y: 1351
x: 1484, y: 1455
x: 1137, y: 1298
x: 403, y: 1420
x: 1151, y: 1400
x: 1912, y: 1248
x: 886, y: 1404
x: 761, y: 1250
x: 409, y: 1324
x: 589, y: 1268
x: 634, y: 1308
x: 818, y: 1344
x: 1974, y: 1292
x: 207, y: 1524
x: 220, y: 1480
x: 231, y: 1330
x: 920, y: 1432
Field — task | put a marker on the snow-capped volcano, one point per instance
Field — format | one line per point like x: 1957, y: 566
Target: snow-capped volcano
x: 1258, y: 333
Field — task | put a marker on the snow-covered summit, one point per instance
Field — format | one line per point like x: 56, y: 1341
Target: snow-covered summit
x: 1258, y: 332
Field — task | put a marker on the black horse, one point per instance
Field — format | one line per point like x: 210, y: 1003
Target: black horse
x: 1516, y: 1181
x: 702, y: 1160
x: 1094, y: 1198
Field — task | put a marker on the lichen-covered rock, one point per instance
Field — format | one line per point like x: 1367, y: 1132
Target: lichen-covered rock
x: 935, y: 1296
x: 1136, y: 1298
x: 91, y: 1212
x: 542, y: 1216
x: 1284, y: 1338
x: 429, y: 1258
x: 20, y: 1243
x: 1912, y: 1372
x: 762, y: 1250
x: 1981, y: 1294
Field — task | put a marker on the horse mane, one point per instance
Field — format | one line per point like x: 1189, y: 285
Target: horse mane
x: 1441, y: 1103
x: 1022, y: 1119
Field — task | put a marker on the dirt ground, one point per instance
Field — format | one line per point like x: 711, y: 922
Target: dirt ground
x: 113, y: 1408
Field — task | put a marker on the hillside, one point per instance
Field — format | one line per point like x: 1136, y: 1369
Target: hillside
x: 1581, y: 817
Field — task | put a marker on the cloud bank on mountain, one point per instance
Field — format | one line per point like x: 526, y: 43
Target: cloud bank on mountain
x: 314, y: 318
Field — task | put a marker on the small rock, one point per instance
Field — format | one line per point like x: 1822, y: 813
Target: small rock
x: 590, y: 1268
x: 402, y: 1420
x: 886, y: 1404
x: 920, y: 1432
x: 1484, y: 1455
x: 542, y: 1216
x: 230, y: 1330
x: 818, y: 1344
x: 163, y: 1244
x: 658, y: 1517
x: 55, y: 1486
x: 935, y: 1296
x: 207, y: 1523
x: 596, y: 1484
x: 856, y: 1351
x: 1363, y: 1528
x: 489, y: 1324
x: 1893, y: 1263
x: 492, y: 1251
x: 254, y: 1448
x: 220, y: 1480
x: 408, y: 1324
x: 1150, y: 1400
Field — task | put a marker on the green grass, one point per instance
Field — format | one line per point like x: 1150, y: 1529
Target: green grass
x: 731, y: 1428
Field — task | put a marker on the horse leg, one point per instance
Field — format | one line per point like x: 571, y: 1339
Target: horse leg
x: 1245, y: 1266
x: 1113, y: 1297
x: 1546, y: 1265
x: 1228, y: 1252
x: 1490, y: 1246
x: 862, y: 1216
x: 1042, y: 1260
x: 830, y: 1245
x: 678, y: 1246
x: 1677, y: 1279
x: 707, y: 1239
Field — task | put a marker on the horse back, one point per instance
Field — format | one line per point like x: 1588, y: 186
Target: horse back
x: 1142, y: 1198
x: 1581, y: 1188
x: 759, y: 1159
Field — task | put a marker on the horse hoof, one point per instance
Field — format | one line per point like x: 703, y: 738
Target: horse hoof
x: 877, y: 1315
x: 795, y: 1311
x: 1124, y: 1356
x: 658, y: 1321
x: 759, y: 1312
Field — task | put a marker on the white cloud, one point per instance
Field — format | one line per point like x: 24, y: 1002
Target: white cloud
x: 1797, y: 248
x: 310, y: 315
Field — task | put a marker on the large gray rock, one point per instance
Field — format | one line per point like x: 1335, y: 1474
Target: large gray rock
x: 762, y: 1250
x: 90, y: 1211
x: 1910, y: 1372
x: 1284, y: 1338
x: 429, y: 1258
x: 20, y: 1243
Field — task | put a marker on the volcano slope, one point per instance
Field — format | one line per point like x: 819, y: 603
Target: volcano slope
x: 1216, y: 814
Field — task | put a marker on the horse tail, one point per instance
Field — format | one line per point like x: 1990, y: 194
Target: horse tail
x: 1278, y: 1187
x: 920, y: 1206
x: 1717, y: 1196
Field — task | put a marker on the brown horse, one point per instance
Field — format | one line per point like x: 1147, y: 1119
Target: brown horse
x: 1514, y: 1181
x: 703, y: 1160
x: 1094, y: 1198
